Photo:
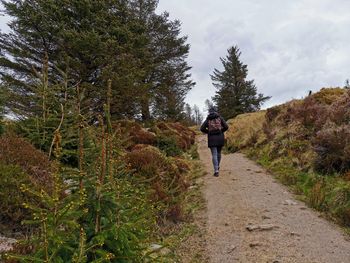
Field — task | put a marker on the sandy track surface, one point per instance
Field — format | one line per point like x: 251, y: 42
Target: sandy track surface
x: 281, y: 229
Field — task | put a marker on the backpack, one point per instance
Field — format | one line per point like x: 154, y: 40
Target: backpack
x: 214, y: 126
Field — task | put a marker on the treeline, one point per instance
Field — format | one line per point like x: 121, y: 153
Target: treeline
x: 193, y: 115
x: 55, y: 48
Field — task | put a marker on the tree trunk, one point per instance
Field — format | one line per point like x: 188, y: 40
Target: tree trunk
x: 145, y: 112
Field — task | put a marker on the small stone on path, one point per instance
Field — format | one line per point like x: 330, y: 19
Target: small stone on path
x: 254, y: 244
x: 290, y: 202
x: 231, y: 249
x: 260, y: 227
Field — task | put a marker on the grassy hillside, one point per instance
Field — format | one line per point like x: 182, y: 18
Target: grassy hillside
x: 306, y: 144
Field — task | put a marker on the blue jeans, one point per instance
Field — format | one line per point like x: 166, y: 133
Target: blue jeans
x: 216, y: 156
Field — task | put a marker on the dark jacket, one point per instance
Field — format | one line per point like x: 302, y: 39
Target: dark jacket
x: 218, y: 139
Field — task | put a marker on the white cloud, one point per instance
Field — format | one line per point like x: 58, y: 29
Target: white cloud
x: 290, y: 46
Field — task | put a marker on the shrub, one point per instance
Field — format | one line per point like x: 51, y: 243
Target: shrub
x: 339, y: 202
x: 182, y: 165
x: 340, y: 110
x: 184, y: 136
x: 165, y: 175
x: 133, y: 133
x: 17, y: 151
x: 310, y: 113
x: 272, y: 113
x: 332, y: 146
x: 328, y: 95
x: 142, y: 136
x: 168, y: 145
x: 147, y: 161
x: 12, y: 198
x: 193, y: 152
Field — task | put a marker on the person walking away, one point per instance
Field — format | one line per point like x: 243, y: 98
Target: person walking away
x: 215, y: 126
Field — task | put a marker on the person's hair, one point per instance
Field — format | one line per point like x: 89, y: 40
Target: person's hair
x: 212, y: 109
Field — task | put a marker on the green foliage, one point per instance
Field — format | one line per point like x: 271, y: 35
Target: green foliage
x: 168, y: 145
x: 127, y: 222
x: 69, y: 68
x: 193, y: 152
x: 107, y: 220
x: 127, y: 42
x: 235, y: 95
x: 57, y: 216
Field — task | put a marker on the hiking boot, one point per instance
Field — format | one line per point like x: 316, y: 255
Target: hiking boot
x: 216, y: 174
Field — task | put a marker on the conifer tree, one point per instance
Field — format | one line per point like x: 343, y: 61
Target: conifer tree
x: 2, y: 111
x: 188, y: 114
x: 208, y: 104
x: 165, y: 68
x: 172, y: 79
x: 125, y: 41
x: 235, y: 94
x: 197, y: 115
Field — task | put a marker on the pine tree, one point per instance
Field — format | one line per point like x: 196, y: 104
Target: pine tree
x: 208, y: 104
x: 2, y: 110
x: 188, y: 114
x: 125, y: 41
x: 170, y: 77
x: 235, y: 95
x: 198, y: 117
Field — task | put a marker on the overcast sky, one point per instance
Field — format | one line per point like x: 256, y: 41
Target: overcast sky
x: 290, y: 46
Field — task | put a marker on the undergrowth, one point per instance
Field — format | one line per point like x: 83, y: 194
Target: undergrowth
x: 113, y: 203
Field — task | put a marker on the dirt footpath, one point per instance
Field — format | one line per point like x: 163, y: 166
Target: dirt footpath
x: 252, y: 218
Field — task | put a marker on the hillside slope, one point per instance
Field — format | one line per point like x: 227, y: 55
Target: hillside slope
x: 306, y: 144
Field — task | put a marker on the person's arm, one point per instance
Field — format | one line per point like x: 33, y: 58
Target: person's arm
x: 204, y: 127
x: 224, y: 125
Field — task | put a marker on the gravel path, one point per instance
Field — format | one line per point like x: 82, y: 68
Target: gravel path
x: 252, y: 218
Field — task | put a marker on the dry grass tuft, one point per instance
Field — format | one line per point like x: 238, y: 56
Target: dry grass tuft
x: 244, y: 130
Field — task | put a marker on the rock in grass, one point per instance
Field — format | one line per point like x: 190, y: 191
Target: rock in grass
x: 6, y: 244
x: 159, y: 249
